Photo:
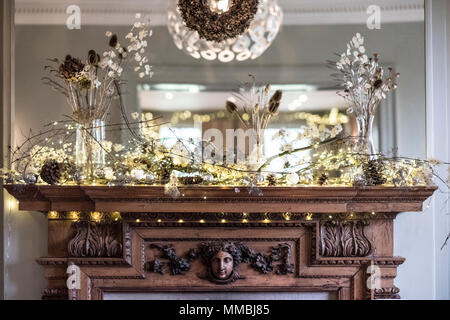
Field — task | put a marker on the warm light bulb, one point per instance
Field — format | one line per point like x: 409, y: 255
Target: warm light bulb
x: 219, y: 6
x: 52, y: 215
x: 74, y: 215
x: 115, y: 215
x: 287, y: 216
x: 96, y: 216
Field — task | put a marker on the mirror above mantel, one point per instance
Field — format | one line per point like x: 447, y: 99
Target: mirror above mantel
x: 309, y: 34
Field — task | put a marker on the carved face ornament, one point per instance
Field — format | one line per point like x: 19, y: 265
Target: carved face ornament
x: 222, y: 265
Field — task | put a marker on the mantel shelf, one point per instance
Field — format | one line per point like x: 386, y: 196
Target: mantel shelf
x: 219, y: 199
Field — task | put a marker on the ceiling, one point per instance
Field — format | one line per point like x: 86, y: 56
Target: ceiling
x: 296, y: 12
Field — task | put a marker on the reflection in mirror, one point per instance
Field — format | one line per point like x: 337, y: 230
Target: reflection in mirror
x: 294, y: 39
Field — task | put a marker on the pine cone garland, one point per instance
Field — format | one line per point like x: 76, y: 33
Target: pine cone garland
x: 271, y: 180
x: 373, y: 171
x: 323, y: 179
x: 51, y: 171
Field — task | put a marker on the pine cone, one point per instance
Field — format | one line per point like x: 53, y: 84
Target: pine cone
x: 373, y: 171
x: 323, y: 179
x: 165, y: 174
x: 51, y: 171
x: 189, y: 180
x: 271, y: 180
x: 165, y: 169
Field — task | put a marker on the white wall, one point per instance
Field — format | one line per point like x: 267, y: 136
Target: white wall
x: 25, y: 240
x: 23, y: 234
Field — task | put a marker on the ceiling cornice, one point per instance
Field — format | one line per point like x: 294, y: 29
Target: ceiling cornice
x: 296, y: 12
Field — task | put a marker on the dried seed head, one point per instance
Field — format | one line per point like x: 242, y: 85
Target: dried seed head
x: 274, y: 102
x: 231, y: 107
x: 377, y: 83
x: 113, y: 41
x: 277, y: 96
x: 93, y: 58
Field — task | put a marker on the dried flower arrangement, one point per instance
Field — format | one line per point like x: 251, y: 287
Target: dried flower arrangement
x: 90, y: 86
x: 215, y: 26
x: 366, y: 83
x: 259, y: 107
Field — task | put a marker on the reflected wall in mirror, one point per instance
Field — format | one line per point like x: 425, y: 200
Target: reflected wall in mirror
x: 186, y: 87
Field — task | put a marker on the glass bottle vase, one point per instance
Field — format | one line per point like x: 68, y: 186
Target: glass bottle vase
x: 365, y: 126
x: 89, y: 151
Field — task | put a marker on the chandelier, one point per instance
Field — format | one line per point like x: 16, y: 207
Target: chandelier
x: 250, y: 45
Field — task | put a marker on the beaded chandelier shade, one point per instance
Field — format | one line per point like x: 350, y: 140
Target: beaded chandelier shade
x: 250, y: 45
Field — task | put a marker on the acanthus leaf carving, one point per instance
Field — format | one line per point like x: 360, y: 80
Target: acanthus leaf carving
x: 95, y: 240
x: 344, y: 239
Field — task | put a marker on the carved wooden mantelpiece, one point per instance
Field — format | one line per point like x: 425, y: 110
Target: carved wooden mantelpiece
x: 296, y: 239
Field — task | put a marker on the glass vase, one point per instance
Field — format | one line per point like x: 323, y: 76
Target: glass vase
x: 89, y: 151
x: 364, y: 123
x: 256, y: 155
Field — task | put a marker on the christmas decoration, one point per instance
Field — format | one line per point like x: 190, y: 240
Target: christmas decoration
x: 373, y: 172
x: 51, y: 171
x: 323, y: 178
x: 366, y: 84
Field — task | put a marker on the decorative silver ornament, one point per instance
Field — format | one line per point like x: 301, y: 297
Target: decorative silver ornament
x: 100, y: 173
x: 137, y: 174
x: 149, y: 178
x: 259, y: 178
x: 30, y: 178
x: 292, y: 179
x: 78, y: 177
x: 207, y: 177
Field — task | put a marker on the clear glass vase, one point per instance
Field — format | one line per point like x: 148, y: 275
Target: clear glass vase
x: 89, y: 151
x: 364, y: 123
x: 256, y: 155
